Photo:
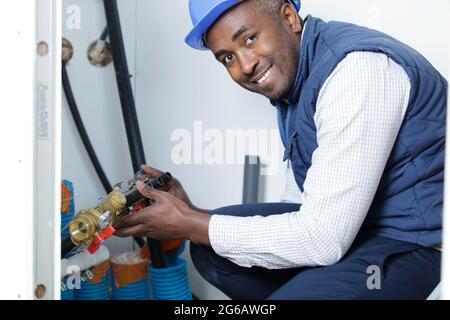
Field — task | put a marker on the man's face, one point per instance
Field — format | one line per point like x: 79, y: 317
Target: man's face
x: 259, y: 50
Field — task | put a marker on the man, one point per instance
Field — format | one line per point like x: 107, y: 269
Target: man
x: 362, y: 119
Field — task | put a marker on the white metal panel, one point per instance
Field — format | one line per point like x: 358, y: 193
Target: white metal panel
x: 48, y: 178
x: 17, y: 25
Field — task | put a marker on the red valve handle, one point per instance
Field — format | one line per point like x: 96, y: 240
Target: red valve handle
x: 109, y: 231
x: 99, y: 238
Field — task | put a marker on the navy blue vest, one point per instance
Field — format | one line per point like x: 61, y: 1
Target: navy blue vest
x: 408, y: 203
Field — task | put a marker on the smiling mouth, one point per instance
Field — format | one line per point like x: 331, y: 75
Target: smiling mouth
x: 265, y: 76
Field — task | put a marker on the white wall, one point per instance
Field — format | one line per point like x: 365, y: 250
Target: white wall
x: 422, y: 25
x: 176, y: 86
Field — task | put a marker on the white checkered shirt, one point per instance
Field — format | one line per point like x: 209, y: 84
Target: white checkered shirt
x: 359, y: 112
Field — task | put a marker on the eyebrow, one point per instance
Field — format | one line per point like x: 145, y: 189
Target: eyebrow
x: 241, y: 30
x: 235, y: 36
x: 219, y: 53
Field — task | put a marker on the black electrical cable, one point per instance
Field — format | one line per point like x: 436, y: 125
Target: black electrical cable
x: 82, y: 130
x: 104, y: 34
x: 86, y: 142
x: 124, y: 85
x: 128, y: 107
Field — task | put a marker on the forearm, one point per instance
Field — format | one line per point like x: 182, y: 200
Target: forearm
x: 197, y: 227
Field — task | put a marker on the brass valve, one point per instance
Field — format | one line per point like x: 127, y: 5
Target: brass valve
x: 88, y: 223
x: 90, y: 227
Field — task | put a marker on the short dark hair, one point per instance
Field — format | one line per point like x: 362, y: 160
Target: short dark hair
x: 271, y: 7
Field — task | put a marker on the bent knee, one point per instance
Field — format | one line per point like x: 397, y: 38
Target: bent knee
x: 203, y: 260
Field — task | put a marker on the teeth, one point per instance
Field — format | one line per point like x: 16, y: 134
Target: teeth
x: 265, y: 76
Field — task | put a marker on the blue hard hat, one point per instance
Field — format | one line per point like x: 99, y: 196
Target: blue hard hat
x: 205, y: 12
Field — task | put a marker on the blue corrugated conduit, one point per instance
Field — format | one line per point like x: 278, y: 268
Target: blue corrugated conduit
x: 66, y: 293
x: 171, y: 283
x: 98, y: 291
x: 138, y: 290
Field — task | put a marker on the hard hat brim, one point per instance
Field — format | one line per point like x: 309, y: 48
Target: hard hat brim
x: 195, y: 38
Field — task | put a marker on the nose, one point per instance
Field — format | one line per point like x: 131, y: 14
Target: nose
x: 248, y: 62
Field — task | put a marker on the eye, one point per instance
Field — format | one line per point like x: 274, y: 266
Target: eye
x: 250, y: 39
x: 227, y: 59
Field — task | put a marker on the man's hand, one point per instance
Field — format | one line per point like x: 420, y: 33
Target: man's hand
x: 169, y: 218
x: 174, y: 186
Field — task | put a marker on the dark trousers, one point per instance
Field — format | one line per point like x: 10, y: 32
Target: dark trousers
x: 374, y: 268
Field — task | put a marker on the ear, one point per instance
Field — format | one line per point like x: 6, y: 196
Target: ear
x: 290, y: 16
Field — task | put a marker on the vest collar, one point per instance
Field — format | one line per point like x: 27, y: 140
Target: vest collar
x: 307, y: 51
